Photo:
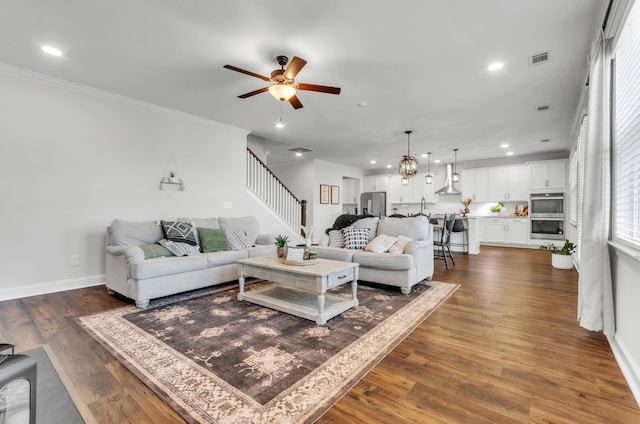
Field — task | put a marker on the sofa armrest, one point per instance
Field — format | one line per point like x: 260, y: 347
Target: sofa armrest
x: 412, y: 248
x: 266, y: 239
x: 133, y: 254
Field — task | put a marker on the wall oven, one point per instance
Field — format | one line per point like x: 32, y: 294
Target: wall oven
x: 546, y: 216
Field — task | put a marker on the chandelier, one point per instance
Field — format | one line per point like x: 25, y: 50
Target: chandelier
x: 408, y: 165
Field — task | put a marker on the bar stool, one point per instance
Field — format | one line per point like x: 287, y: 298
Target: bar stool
x: 461, y: 225
x: 14, y: 369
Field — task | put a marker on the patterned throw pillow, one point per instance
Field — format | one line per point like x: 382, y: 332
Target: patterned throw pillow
x: 180, y: 249
x: 181, y: 232
x: 356, y: 238
x: 336, y: 238
x: 238, y: 240
x: 212, y: 240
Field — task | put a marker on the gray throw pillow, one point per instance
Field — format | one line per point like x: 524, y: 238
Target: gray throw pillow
x: 238, y: 240
x: 181, y: 232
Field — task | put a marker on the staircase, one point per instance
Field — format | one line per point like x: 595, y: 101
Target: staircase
x: 275, y: 194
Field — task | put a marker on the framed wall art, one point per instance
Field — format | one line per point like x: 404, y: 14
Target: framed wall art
x: 335, y: 195
x: 324, y: 193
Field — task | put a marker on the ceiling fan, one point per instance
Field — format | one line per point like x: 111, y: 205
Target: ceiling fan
x: 284, y: 88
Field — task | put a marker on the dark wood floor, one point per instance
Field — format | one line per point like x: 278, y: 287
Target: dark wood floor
x: 506, y: 347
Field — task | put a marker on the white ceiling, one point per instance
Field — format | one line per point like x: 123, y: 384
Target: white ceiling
x: 417, y: 64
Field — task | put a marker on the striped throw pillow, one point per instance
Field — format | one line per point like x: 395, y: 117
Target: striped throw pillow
x: 336, y: 238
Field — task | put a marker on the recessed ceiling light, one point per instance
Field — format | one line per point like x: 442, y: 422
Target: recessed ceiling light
x: 298, y: 154
x: 436, y: 161
x: 279, y: 124
x: 372, y: 162
x: 504, y: 146
x: 362, y: 104
x: 509, y: 153
x: 389, y: 166
x: 51, y: 50
x: 495, y: 66
x: 424, y: 155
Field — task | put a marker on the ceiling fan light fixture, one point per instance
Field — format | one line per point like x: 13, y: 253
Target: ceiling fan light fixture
x: 282, y: 91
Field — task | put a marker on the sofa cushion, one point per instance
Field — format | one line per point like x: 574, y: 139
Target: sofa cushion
x: 334, y: 253
x: 179, y: 231
x: 212, y: 240
x: 383, y: 260
x: 399, y: 245
x: 336, y: 238
x: 167, y: 266
x: 202, y: 222
x: 248, y: 224
x: 380, y: 244
x: 180, y: 249
x: 227, y: 257
x: 370, y: 223
x: 126, y: 233
x: 355, y: 238
x: 415, y: 228
x: 238, y: 240
x: 155, y: 251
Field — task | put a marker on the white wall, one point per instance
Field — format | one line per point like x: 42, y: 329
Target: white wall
x: 75, y: 158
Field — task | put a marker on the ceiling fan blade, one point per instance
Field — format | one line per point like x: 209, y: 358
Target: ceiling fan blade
x: 319, y: 88
x: 253, y: 93
x: 243, y: 71
x: 295, y: 102
x: 294, y: 67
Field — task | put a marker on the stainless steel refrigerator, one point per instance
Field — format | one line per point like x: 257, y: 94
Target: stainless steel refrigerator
x: 374, y: 203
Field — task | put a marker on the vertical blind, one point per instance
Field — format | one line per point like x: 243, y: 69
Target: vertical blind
x: 627, y: 131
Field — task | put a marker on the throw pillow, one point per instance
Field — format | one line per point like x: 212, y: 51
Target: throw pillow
x: 248, y: 224
x: 155, y: 251
x: 212, y: 240
x: 370, y: 223
x: 355, y: 238
x: 399, y: 245
x: 180, y: 249
x: 336, y: 238
x: 238, y: 240
x: 380, y: 244
x: 181, y: 232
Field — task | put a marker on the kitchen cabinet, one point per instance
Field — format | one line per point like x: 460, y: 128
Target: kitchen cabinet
x: 376, y: 182
x: 474, y: 184
x: 548, y: 175
x: 509, y: 183
x: 507, y: 230
x: 397, y: 192
x: 422, y: 189
x: 350, y: 191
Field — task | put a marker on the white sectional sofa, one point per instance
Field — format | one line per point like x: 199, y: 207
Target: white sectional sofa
x: 131, y: 274
x: 403, y: 270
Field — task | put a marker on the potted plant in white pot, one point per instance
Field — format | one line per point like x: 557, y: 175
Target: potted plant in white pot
x: 561, y: 256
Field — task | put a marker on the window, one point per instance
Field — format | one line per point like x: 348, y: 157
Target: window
x: 627, y: 131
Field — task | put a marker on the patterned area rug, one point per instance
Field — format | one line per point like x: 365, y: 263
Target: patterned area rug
x: 217, y: 360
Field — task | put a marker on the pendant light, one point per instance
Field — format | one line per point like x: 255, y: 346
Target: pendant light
x: 455, y: 177
x: 408, y: 165
x: 428, y: 179
x: 404, y: 181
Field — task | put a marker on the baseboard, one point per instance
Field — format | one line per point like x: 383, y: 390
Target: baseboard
x: 629, y: 368
x: 51, y: 287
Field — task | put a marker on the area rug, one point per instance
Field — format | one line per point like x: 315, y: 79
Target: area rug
x: 217, y: 360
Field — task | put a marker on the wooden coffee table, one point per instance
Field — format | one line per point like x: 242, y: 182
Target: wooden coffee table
x: 300, y: 290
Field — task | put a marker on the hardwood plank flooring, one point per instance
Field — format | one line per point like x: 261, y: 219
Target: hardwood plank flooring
x: 505, y: 348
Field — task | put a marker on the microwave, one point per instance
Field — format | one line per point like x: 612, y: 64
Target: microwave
x: 546, y: 205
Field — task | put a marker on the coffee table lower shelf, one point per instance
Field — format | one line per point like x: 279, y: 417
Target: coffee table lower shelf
x: 301, y: 303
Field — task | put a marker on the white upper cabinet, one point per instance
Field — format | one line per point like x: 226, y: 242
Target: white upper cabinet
x: 350, y: 190
x: 411, y: 193
x: 474, y: 184
x: 376, y: 183
x: 509, y: 183
x: 548, y: 175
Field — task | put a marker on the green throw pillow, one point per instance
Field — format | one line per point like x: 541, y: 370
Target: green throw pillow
x: 212, y: 240
x: 155, y: 251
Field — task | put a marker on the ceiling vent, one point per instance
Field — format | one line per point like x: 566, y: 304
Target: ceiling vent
x: 541, y: 108
x: 539, y: 58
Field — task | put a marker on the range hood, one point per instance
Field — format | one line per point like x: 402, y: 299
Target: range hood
x: 448, y: 183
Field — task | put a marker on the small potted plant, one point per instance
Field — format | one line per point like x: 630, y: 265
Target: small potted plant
x: 561, y: 256
x: 281, y: 243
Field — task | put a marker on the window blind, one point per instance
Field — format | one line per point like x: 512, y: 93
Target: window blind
x: 627, y: 131
x: 582, y: 142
